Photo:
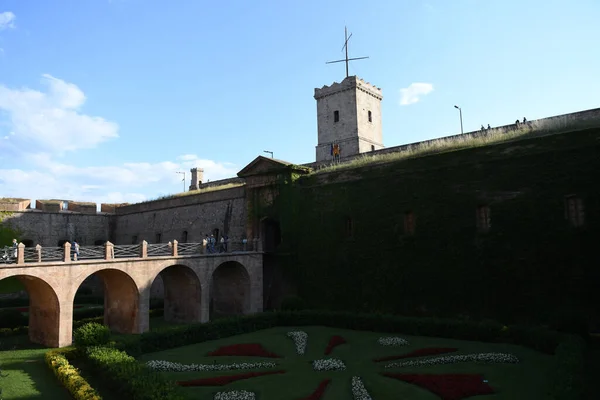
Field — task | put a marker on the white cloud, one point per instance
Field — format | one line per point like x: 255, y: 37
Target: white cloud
x: 7, y: 20
x: 50, y: 121
x: 414, y: 92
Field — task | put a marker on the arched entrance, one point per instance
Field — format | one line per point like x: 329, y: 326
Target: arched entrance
x: 270, y: 233
x: 121, y: 301
x: 182, y: 293
x: 229, y: 290
x: 44, y: 311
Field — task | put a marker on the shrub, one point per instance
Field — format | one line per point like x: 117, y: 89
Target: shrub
x: 92, y: 334
x: 12, y: 319
x: 293, y: 303
x: 128, y: 378
x: 69, y: 376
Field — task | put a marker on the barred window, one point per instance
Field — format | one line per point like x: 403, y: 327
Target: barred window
x: 574, y: 210
x: 483, y: 218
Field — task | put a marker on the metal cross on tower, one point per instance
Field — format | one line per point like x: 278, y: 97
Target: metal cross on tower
x: 346, y: 48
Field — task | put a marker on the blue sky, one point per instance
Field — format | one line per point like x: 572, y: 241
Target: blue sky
x: 104, y: 100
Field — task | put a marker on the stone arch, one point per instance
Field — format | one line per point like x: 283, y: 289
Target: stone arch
x: 44, y: 311
x: 121, y: 300
x: 230, y: 290
x: 182, y: 293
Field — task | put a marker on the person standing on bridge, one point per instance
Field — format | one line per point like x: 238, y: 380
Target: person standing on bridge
x: 75, y: 250
x: 15, y: 247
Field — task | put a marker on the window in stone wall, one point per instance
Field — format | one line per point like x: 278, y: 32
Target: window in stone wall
x: 349, y: 227
x: 134, y: 239
x: 372, y: 147
x: 409, y: 223
x: 483, y: 220
x: 184, y: 237
x: 574, y: 210
x: 336, y: 116
x: 370, y: 117
x: 158, y: 237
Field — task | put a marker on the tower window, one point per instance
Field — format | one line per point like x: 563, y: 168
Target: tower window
x: 336, y: 116
x: 158, y: 237
x: 483, y: 218
x: 574, y: 210
x: 184, y: 237
x: 372, y: 147
x: 370, y: 117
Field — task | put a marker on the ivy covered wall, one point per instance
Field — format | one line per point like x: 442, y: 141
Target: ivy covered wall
x: 344, y: 242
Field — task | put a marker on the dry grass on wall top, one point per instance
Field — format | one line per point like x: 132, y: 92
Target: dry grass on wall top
x: 194, y: 192
x: 437, y: 146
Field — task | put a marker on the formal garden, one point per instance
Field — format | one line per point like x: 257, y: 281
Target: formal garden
x: 300, y: 355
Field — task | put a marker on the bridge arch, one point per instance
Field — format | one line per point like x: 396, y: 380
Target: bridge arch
x: 121, y: 300
x: 182, y: 293
x: 44, y: 310
x: 230, y: 290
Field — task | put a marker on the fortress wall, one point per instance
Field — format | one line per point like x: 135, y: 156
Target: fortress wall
x: 48, y: 228
x: 197, y: 215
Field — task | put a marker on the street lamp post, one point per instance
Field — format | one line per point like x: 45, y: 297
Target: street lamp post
x: 183, y: 179
x: 268, y: 152
x: 461, y: 126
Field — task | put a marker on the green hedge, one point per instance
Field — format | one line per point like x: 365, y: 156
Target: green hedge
x: 69, y: 376
x: 565, y: 383
x: 129, y: 379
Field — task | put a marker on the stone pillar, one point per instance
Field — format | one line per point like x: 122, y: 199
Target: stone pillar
x: 205, y: 304
x: 20, y: 253
x: 255, y: 268
x: 144, y: 249
x: 109, y: 251
x: 65, y: 325
x: 38, y: 248
x: 67, y: 252
x: 174, y: 248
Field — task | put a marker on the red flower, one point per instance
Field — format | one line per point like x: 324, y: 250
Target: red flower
x: 419, y: 353
x: 333, y: 342
x: 317, y: 394
x: 225, y: 379
x: 448, y: 386
x: 247, y: 349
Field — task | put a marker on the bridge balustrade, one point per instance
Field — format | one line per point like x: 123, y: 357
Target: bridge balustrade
x: 109, y: 251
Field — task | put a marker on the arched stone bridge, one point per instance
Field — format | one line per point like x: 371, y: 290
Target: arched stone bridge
x: 232, y: 282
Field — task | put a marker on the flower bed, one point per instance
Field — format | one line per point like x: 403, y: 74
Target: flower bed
x: 167, y: 366
x: 69, y: 376
x: 329, y: 364
x: 245, y: 349
x: 448, y: 386
x: 300, y: 340
x: 359, y: 392
x: 235, y: 395
x: 392, y: 341
x: 226, y: 379
x: 333, y: 342
x: 418, y: 353
x: 489, y: 358
x: 318, y: 393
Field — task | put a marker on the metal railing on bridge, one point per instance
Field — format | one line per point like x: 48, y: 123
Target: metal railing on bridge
x: 109, y: 251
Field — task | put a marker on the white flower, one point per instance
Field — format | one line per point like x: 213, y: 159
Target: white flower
x: 328, y: 364
x: 358, y: 389
x: 300, y: 340
x: 235, y: 395
x: 167, y: 366
x: 479, y: 357
x: 392, y: 341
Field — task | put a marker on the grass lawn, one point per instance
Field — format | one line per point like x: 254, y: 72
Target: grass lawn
x: 26, y: 376
x: 525, y: 380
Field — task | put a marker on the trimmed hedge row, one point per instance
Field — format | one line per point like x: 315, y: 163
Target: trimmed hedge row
x: 128, y: 378
x: 69, y: 376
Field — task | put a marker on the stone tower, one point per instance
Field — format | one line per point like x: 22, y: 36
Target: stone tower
x: 348, y: 114
x: 197, y: 177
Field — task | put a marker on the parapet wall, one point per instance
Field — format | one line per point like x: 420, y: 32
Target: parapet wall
x: 539, y: 127
x: 349, y: 83
x: 9, y: 204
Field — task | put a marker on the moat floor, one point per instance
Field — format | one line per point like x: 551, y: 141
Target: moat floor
x: 525, y: 380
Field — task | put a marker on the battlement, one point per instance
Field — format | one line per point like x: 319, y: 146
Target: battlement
x: 351, y: 82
